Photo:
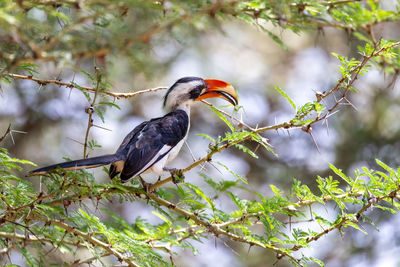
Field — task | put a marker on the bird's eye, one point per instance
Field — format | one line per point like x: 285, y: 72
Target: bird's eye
x: 195, y: 92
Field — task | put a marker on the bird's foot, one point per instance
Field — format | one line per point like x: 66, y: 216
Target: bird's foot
x: 176, y: 174
x: 146, y: 186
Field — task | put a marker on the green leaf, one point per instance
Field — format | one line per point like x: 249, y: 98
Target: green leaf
x: 239, y: 202
x: 275, y: 38
x: 30, y: 259
x: 341, y: 174
x: 84, y: 92
x: 246, y: 149
x: 61, y: 16
x: 205, y: 136
x: 200, y: 193
x: 29, y: 67
x: 222, y: 117
x: 93, y: 144
x: 276, y: 190
x: 165, y: 219
x: 286, y: 96
x: 110, y: 104
x: 355, y: 226
x: 384, y: 166
x: 385, y: 208
x: 233, y: 173
x: 98, y: 111
x: 317, y: 261
x: 88, y: 75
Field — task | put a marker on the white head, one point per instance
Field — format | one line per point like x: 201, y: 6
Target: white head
x: 189, y: 89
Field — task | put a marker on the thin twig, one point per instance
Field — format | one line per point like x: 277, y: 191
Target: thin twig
x: 90, y: 112
x: 36, y: 238
x: 6, y: 133
x: 86, y: 88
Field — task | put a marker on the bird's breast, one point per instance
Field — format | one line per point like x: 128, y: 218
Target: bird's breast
x: 175, y: 151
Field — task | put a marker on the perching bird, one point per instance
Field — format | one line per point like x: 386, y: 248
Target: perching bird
x: 154, y: 143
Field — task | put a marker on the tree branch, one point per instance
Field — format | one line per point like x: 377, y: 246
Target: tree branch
x: 86, y: 236
x: 86, y: 88
x: 216, y: 230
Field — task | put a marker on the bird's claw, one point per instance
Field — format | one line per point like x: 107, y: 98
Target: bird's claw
x: 177, y: 175
x: 146, y: 186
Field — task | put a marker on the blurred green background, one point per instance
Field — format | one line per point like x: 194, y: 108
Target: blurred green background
x: 147, y: 48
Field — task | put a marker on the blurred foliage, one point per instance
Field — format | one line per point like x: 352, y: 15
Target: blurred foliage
x: 68, y: 31
x: 57, y: 217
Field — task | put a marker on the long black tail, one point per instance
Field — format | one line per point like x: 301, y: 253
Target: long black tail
x: 79, y: 164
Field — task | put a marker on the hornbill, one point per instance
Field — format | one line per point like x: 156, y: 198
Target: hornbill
x: 154, y: 143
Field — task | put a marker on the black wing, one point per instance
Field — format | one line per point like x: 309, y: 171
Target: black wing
x: 151, y: 141
x: 123, y: 149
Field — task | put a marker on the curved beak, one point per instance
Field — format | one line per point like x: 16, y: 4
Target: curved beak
x: 221, y: 89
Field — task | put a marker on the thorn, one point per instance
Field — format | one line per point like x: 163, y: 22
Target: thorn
x: 351, y: 104
x: 315, y: 142
x: 334, y: 96
x: 248, y: 251
x: 275, y: 124
x: 40, y: 183
x: 226, y: 245
x: 104, y: 128
x: 191, y: 152
x: 312, y: 216
x: 202, y: 167
x: 76, y: 141
x: 308, y: 129
x: 12, y: 138
x: 257, y: 147
x: 241, y: 118
x: 215, y: 167
x: 327, y: 126
x: 332, y: 113
x: 265, y: 141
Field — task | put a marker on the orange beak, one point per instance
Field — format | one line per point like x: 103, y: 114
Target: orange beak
x: 221, y: 89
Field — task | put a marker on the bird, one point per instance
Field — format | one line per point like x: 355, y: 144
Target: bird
x: 151, y: 145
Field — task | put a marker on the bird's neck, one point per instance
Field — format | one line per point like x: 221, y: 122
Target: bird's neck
x: 185, y: 107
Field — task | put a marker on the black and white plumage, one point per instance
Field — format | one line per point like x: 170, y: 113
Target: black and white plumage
x: 154, y: 143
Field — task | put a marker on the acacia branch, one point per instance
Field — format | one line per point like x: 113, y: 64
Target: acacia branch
x: 36, y: 238
x: 87, y: 237
x: 216, y: 229
x: 6, y: 133
x: 371, y: 201
x: 90, y: 111
x: 86, y: 88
